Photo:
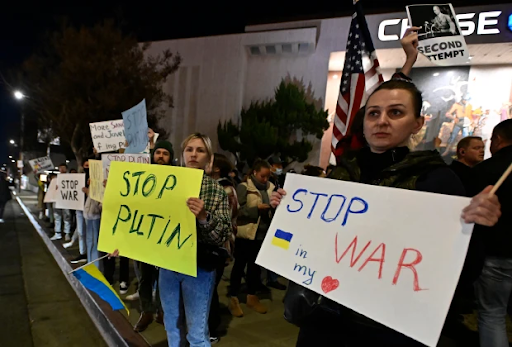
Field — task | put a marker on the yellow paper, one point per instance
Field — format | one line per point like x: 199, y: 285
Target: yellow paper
x: 96, y: 189
x: 146, y: 217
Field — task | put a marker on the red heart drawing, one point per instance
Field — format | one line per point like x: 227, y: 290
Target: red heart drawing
x: 329, y: 284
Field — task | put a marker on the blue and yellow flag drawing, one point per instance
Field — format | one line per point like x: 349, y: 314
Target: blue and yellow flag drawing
x: 92, y: 279
x: 282, y: 239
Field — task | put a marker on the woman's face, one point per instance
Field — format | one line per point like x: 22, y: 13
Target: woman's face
x: 195, y: 155
x: 389, y: 120
x: 263, y: 175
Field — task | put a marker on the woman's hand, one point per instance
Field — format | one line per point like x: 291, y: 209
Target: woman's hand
x: 114, y: 254
x: 85, y: 190
x: 104, y: 183
x: 410, y: 43
x: 484, y: 209
x: 196, y: 206
x: 276, y: 197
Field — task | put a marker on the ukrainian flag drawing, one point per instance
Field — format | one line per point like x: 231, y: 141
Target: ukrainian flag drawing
x: 92, y: 279
x: 282, y: 239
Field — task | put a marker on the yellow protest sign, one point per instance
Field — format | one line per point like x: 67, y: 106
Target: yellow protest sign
x: 145, y: 215
x: 96, y: 189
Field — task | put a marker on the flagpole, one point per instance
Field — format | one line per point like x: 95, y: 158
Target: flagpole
x: 78, y: 268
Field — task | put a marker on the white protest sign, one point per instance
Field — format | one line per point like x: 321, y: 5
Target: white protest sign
x: 376, y: 250
x: 136, y: 127
x: 51, y: 194
x: 41, y: 164
x: 440, y: 38
x: 70, y: 195
x: 107, y: 159
x: 108, y: 136
x: 148, y: 147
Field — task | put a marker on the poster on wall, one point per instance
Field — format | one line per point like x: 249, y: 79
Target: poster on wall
x: 440, y: 38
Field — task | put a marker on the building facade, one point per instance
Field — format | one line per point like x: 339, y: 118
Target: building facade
x: 220, y: 75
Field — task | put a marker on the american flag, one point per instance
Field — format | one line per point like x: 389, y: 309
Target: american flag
x: 358, y: 81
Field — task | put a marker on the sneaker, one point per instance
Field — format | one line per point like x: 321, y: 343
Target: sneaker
x: 57, y: 236
x: 214, y: 340
x: 68, y: 244
x: 67, y: 238
x: 82, y: 258
x: 132, y: 297
x: 123, y: 288
x: 2, y: 221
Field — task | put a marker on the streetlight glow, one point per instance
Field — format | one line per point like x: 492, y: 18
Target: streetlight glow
x: 18, y: 95
x: 10, y: 157
x: 13, y: 161
x: 11, y: 142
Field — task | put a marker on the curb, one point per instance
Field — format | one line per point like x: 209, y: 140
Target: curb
x: 103, y: 324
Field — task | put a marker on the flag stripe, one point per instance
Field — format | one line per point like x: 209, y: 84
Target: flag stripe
x: 283, y: 235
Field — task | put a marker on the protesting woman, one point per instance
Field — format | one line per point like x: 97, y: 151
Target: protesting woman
x: 391, y: 117
x: 213, y: 217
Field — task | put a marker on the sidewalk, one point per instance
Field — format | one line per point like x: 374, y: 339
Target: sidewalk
x: 252, y: 330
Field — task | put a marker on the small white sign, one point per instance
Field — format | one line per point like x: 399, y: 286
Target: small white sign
x: 51, y: 194
x: 107, y: 159
x: 440, y: 37
x: 372, y: 249
x: 70, y: 195
x: 108, y: 136
x: 41, y: 164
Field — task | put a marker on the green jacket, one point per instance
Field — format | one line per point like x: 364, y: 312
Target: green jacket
x: 402, y: 174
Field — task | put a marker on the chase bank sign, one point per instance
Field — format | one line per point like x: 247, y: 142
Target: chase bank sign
x: 481, y: 25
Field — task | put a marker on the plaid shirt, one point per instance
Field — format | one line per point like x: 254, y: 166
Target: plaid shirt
x: 218, y: 227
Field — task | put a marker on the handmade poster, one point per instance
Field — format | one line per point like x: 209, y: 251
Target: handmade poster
x: 70, y: 195
x: 108, y: 136
x: 51, y: 194
x: 372, y: 249
x: 440, y: 38
x: 41, y: 164
x: 146, y: 217
x: 107, y: 159
x: 136, y: 128
x: 96, y: 189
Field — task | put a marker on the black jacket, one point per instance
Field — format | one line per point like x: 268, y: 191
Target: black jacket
x: 465, y: 174
x: 497, y: 239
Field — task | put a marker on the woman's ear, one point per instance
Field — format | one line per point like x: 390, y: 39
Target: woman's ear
x: 420, y: 121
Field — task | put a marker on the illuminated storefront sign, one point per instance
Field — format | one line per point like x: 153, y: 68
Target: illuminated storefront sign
x: 483, y: 23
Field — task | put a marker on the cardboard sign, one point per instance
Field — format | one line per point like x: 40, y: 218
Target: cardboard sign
x: 41, y: 164
x: 440, y: 38
x: 70, y: 195
x: 51, y: 194
x: 145, y: 215
x: 136, y: 128
x: 376, y: 250
x: 107, y: 159
x: 108, y: 136
x: 96, y: 189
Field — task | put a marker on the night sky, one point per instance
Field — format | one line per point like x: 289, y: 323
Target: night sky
x: 22, y: 24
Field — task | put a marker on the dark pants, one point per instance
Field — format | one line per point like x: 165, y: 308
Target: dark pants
x: 246, y: 252
x: 214, y: 319
x: 109, y: 268
x: 2, y: 208
x: 350, y: 334
x: 148, y: 281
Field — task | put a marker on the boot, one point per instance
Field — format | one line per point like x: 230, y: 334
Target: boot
x: 160, y: 317
x: 254, y: 303
x: 234, y: 307
x: 146, y: 318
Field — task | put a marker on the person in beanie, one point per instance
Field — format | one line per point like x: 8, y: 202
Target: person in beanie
x: 162, y: 154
